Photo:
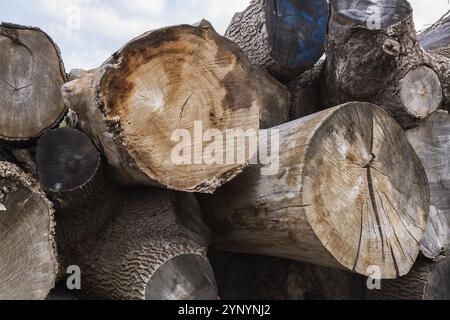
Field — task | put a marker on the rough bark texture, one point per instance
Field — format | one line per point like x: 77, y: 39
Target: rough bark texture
x: 431, y: 140
x: 31, y: 76
x: 426, y: 281
x: 244, y: 277
x: 152, y: 246
x: 28, y: 259
x: 285, y: 36
x: 378, y: 59
x: 306, y: 92
x: 339, y: 199
x: 162, y: 81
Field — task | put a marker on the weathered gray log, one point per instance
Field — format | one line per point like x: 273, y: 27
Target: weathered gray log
x: 431, y: 140
x: 285, y: 36
x: 437, y: 37
x: 373, y: 55
x: 350, y: 193
x: 151, y: 246
x: 245, y: 277
x: 28, y: 258
x: 31, y: 76
x: 160, y: 82
x: 426, y: 281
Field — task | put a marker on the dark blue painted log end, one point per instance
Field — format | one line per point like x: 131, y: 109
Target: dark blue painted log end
x: 297, y: 31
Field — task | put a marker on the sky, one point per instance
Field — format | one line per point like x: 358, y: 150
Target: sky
x: 89, y: 31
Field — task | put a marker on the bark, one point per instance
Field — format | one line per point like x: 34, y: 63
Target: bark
x: 160, y: 82
x: 285, y: 36
x: 152, y: 245
x: 426, y: 281
x: 306, y: 92
x: 350, y: 193
x: 31, y: 76
x: 28, y: 259
x: 377, y: 58
x: 244, y: 277
x: 431, y: 140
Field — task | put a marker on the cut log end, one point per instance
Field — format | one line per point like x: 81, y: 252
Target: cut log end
x: 421, y: 92
x: 67, y: 160
x: 164, y: 89
x: 372, y: 14
x: 360, y: 206
x: 28, y: 254
x: 186, y: 277
x: 31, y: 76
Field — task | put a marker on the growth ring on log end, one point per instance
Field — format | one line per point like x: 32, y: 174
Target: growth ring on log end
x: 350, y: 193
x: 31, y: 76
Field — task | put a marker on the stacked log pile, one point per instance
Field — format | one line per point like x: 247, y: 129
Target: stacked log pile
x: 105, y: 179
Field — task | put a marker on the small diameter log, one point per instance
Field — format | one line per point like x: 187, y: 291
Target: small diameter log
x: 152, y: 246
x: 373, y: 55
x: 31, y: 76
x: 28, y: 259
x: 245, y: 277
x: 437, y: 37
x: 426, y: 281
x: 67, y: 160
x: 431, y: 140
x: 285, y: 36
x: 161, y: 82
x: 350, y: 193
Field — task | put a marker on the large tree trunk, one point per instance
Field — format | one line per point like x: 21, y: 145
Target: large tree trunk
x: 285, y: 36
x: 377, y: 58
x: 245, y: 277
x: 152, y: 246
x: 426, y: 281
x: 167, y: 80
x: 31, y: 76
x: 350, y: 193
x: 28, y: 259
x: 431, y: 140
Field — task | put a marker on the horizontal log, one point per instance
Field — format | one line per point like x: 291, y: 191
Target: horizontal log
x: 350, y: 193
x: 31, y: 76
x: 373, y: 55
x: 285, y: 36
x: 28, y: 258
x: 431, y: 141
x: 160, y: 82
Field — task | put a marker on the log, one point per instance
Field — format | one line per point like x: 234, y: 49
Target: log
x: 373, y: 55
x: 437, y: 37
x: 431, y: 141
x: 285, y: 36
x: 152, y: 246
x: 306, y: 92
x: 31, y: 76
x: 28, y: 259
x: 245, y: 277
x: 67, y: 160
x: 160, y: 82
x: 350, y: 193
x: 426, y: 281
